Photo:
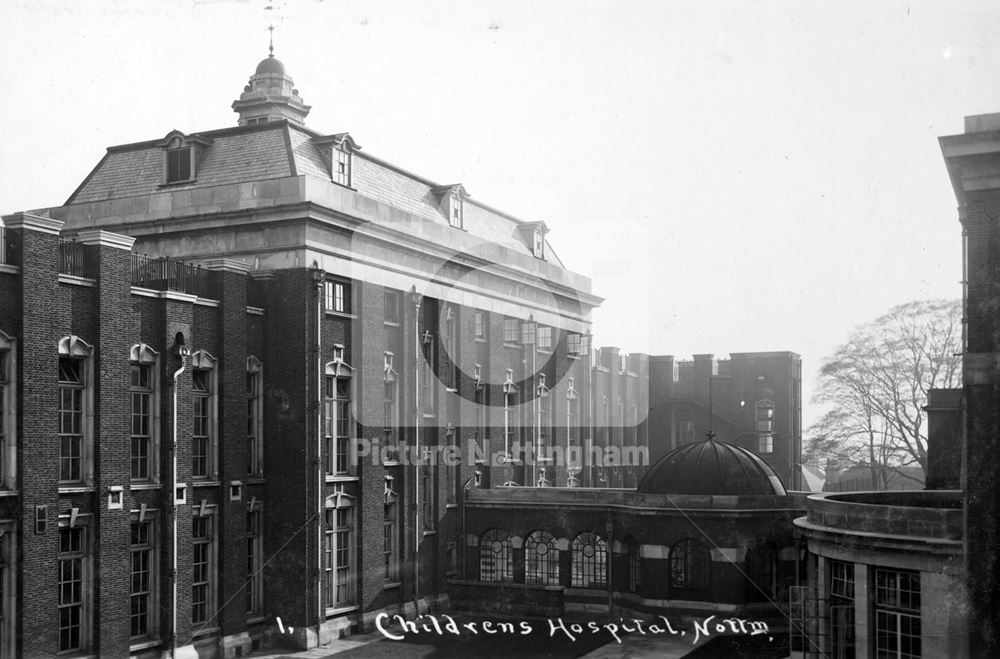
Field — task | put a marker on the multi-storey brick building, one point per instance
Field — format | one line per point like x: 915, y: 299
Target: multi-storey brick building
x: 247, y: 376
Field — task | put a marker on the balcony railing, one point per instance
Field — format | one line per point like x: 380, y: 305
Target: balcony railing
x: 77, y: 259
x: 163, y: 274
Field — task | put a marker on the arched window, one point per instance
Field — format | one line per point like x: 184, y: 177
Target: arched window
x: 634, y: 565
x: 255, y: 415
x: 495, y: 556
x: 541, y: 559
x: 689, y: 565
x: 762, y: 572
x: 589, y: 561
x: 144, y: 407
x: 338, y: 422
x: 338, y: 551
x: 76, y: 388
x: 204, y: 391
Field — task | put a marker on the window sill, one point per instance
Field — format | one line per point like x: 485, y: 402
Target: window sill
x: 255, y: 480
x: 76, y: 489
x: 449, y: 506
x: 510, y: 345
x: 10, y: 493
x: 144, y: 645
x: 255, y: 311
x: 256, y: 620
x: 391, y: 585
x: 429, y: 415
x: 339, y: 611
x: 171, y: 184
x: 340, y: 314
x: 87, y: 282
x: 573, y: 355
x: 9, y: 269
x: 545, y: 351
x: 479, y: 339
x: 205, y: 483
x: 390, y: 323
x: 427, y: 533
x: 341, y: 478
x: 144, y: 486
x: 391, y: 463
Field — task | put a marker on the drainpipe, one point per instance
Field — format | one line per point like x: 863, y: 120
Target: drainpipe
x: 181, y: 354
x: 318, y: 279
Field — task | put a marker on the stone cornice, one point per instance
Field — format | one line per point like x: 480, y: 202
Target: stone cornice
x: 106, y: 239
x: 30, y: 222
x: 227, y: 265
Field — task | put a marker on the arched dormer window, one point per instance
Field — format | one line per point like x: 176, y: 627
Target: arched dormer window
x: 204, y: 398
x: 340, y: 149
x: 338, y: 422
x: 534, y: 235
x: 143, y: 395
x: 181, y: 156
x: 75, y: 414
x: 452, y: 203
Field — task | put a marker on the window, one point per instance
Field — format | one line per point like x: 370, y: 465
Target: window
x: 479, y: 326
x: 427, y: 509
x: 589, y: 561
x: 538, y: 244
x: 390, y: 303
x: 255, y: 554
x: 339, y: 423
x: 141, y: 615
x: 496, y: 557
x: 482, y: 406
x: 573, y: 343
x: 427, y: 374
x: 255, y: 421
x: 685, y: 431
x: 765, y: 426
x: 574, y: 459
x: 544, y: 338
x: 841, y: 610
x: 75, y: 388
x: 897, y: 614
x: 179, y: 164
x: 342, y: 166
x: 634, y: 558
x: 337, y: 296
x: 541, y: 559
x: 8, y: 448
x: 528, y: 333
x: 390, y: 410
x: 511, y: 330
x: 202, y: 570
x: 455, y: 216
x: 142, y: 392
x: 73, y: 604
x: 338, y: 552
x: 450, y: 349
x: 203, y: 411
x: 542, y: 422
x: 689, y: 565
x: 510, y: 423
x: 390, y: 533
x: 8, y: 600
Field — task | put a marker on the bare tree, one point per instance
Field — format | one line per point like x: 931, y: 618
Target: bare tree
x: 875, y: 386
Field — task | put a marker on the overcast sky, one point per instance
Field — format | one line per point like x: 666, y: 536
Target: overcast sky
x: 733, y: 176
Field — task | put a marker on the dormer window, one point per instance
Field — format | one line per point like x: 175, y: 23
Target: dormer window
x: 342, y: 168
x: 538, y: 246
x: 455, y: 217
x: 179, y: 164
x: 341, y: 153
x: 180, y: 156
x: 533, y: 234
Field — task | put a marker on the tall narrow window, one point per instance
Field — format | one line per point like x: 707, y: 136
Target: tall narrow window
x: 390, y: 533
x: 71, y: 441
x: 541, y: 559
x: 7, y: 410
x: 689, y: 565
x: 202, y: 391
x: 574, y: 459
x: 510, y: 423
x: 428, y: 518
x: 202, y: 570
x: 72, y: 598
x: 841, y: 609
x: 544, y: 337
x: 339, y: 426
x: 897, y: 614
x: 482, y: 407
x: 254, y: 572
x: 538, y: 244
x: 338, y: 552
x: 542, y: 422
x: 255, y: 425
x: 451, y: 349
x: 428, y: 378
x: 496, y: 556
x: 390, y: 304
x: 573, y: 343
x: 8, y: 579
x: 390, y: 410
x: 455, y: 217
x: 589, y: 561
x: 141, y: 619
x: 479, y: 326
x: 142, y: 394
x: 342, y: 168
x: 511, y: 330
x: 765, y: 426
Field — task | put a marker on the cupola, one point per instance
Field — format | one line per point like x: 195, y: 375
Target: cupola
x: 270, y: 95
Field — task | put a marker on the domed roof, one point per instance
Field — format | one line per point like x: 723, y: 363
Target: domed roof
x: 270, y: 64
x: 711, y: 467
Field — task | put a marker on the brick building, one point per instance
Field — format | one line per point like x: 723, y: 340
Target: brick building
x: 249, y: 374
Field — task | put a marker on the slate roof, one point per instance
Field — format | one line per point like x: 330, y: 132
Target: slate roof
x: 280, y: 149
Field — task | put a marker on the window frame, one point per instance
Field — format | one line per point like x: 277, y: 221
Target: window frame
x: 342, y: 165
x: 338, y: 296
x: 84, y: 603
x: 496, y: 565
x: 764, y: 426
x: 589, y: 570
x: 340, y: 567
x: 8, y: 414
x: 390, y: 409
x: 73, y: 348
x: 897, y: 612
x: 9, y: 571
x: 149, y: 593
x: 390, y: 533
x: 144, y: 357
x: 255, y: 416
x: 511, y: 331
x: 541, y: 567
x: 254, y: 559
x: 339, y: 449
x: 456, y: 210
x: 211, y: 566
x: 690, y: 565
x: 203, y: 362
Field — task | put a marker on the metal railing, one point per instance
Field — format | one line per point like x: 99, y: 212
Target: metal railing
x: 163, y: 274
x: 77, y: 259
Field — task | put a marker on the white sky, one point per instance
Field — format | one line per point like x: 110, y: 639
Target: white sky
x: 734, y: 176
